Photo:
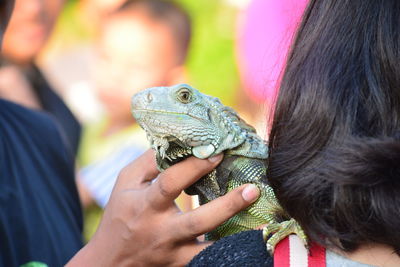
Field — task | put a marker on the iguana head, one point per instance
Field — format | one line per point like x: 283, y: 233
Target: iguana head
x: 180, y: 121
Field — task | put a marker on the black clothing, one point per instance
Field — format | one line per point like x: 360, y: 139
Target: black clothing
x: 242, y: 249
x: 40, y: 213
x: 53, y: 104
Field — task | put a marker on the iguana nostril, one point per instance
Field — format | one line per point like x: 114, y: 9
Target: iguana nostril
x: 149, y: 97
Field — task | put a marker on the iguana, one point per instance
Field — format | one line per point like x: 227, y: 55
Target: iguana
x: 181, y: 122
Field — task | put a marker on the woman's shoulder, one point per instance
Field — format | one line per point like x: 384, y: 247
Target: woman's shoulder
x: 243, y: 249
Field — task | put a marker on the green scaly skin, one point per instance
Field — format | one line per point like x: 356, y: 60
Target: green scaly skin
x: 181, y: 122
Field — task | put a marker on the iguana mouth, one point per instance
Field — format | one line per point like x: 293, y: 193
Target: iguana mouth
x: 176, y: 153
x: 152, y: 111
x: 164, y: 112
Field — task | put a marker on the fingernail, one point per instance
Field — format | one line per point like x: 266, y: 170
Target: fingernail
x: 250, y: 193
x: 215, y: 158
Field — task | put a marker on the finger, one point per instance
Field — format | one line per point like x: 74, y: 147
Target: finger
x: 139, y: 172
x: 173, y: 180
x: 208, y: 216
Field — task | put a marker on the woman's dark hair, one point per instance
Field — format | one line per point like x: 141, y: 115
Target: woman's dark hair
x: 5, y: 13
x: 334, y: 144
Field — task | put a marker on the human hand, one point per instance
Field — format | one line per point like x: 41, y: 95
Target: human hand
x: 142, y: 226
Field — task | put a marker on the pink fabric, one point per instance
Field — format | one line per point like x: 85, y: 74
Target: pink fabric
x: 263, y: 43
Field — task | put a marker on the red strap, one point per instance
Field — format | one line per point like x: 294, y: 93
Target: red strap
x: 290, y: 252
x: 317, y: 256
x: 281, y: 254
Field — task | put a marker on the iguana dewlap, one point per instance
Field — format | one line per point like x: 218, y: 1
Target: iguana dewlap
x: 181, y: 122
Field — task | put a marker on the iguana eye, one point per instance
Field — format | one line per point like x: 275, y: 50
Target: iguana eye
x: 184, y: 96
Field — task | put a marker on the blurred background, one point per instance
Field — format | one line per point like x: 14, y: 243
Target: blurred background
x: 211, y: 63
x: 70, y: 62
x: 101, y: 52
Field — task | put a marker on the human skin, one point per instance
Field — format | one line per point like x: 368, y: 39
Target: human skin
x: 29, y: 28
x: 16, y: 88
x: 142, y: 226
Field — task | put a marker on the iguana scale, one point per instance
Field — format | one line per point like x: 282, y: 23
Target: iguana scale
x: 181, y: 122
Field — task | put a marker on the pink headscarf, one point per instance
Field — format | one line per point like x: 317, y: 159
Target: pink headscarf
x: 263, y: 42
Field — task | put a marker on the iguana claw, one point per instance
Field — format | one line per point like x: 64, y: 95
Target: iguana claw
x: 281, y: 230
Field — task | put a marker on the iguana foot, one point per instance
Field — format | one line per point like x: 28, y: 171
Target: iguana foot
x: 281, y: 230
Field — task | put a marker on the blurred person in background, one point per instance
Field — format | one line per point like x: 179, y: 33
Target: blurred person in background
x: 40, y: 217
x: 21, y: 81
x: 143, y: 43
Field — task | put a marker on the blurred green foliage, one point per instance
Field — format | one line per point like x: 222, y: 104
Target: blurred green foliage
x: 69, y: 26
x: 211, y: 60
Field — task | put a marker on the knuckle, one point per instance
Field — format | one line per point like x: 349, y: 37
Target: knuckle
x: 164, y: 188
x: 124, y: 172
x: 126, y: 203
x: 193, y: 225
x: 233, y: 203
